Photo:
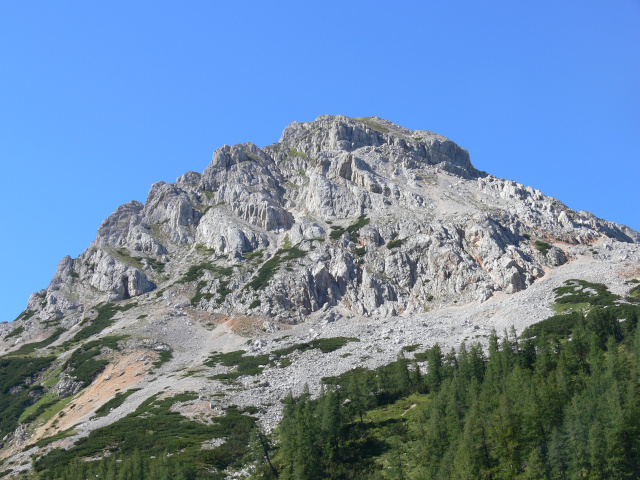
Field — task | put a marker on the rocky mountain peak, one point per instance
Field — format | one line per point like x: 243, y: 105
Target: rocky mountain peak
x: 343, y: 134
x: 352, y: 212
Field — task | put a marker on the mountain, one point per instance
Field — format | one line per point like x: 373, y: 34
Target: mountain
x: 337, y: 247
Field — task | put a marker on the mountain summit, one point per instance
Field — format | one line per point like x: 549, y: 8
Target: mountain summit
x: 350, y: 228
x: 341, y: 211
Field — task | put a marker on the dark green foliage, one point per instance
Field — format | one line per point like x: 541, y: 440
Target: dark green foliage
x: 580, y: 291
x: 325, y: 345
x: 84, y: 365
x: 542, y: 247
x: 29, y: 348
x: 336, y: 232
x: 269, y: 268
x: 195, y: 272
x: 157, y: 265
x: 560, y: 325
x: 245, y: 365
x: 115, y: 402
x: 255, y: 304
x: 16, y: 376
x: 103, y: 320
x: 165, y: 356
x: 15, y: 332
x: 154, y: 430
x: 395, y: 243
x: 411, y: 348
x: 41, y: 408
x: 256, y: 255
x: 603, y: 318
x: 355, y: 227
x: 43, y: 442
x: 199, y: 295
x: 360, y: 251
x: 26, y: 315
x: 634, y: 294
x: 223, y: 291
x: 254, y: 364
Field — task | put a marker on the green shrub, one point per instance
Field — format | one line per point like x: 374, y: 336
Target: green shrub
x: 542, y: 247
x: 18, y: 373
x: 165, y: 356
x: 634, y: 294
x: 254, y: 364
x: 198, y: 296
x: 255, y: 255
x: 223, y: 291
x: 244, y: 365
x: 29, y: 348
x: 43, y: 442
x: 195, y: 272
x: 15, y: 332
x: 26, y: 315
x: 336, y: 232
x: 354, y: 228
x: 395, y: 243
x: 103, y: 320
x: 255, y: 304
x: 576, y: 292
x: 411, y: 348
x: 84, y: 365
x: 269, y: 268
x: 38, y: 409
x: 115, y: 402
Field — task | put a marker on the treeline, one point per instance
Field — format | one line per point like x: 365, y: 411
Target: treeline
x: 556, y: 402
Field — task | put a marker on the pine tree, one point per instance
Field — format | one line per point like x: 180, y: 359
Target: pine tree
x: 434, y: 375
x: 259, y: 453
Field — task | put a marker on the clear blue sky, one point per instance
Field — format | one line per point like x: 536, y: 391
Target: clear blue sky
x: 98, y: 100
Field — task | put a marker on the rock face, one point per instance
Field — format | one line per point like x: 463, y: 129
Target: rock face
x: 67, y: 386
x: 351, y: 212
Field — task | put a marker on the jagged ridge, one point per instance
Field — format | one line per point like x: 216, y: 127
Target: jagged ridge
x: 434, y: 229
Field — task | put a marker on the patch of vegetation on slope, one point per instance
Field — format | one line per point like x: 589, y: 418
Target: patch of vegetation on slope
x: 633, y: 295
x: 26, y: 315
x: 154, y: 443
x: 269, y: 268
x: 84, y: 364
x: 103, y: 320
x: 578, y: 302
x: 396, y: 243
x: 17, y: 389
x: 29, y: 348
x: 114, y: 403
x: 15, y: 332
x: 165, y: 356
x: 196, y: 271
x: 254, y: 364
x: 542, y: 247
x: 353, y: 229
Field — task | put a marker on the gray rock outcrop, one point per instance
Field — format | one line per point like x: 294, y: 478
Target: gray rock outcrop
x: 356, y: 212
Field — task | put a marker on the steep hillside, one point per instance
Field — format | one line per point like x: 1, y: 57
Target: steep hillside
x: 335, y: 247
